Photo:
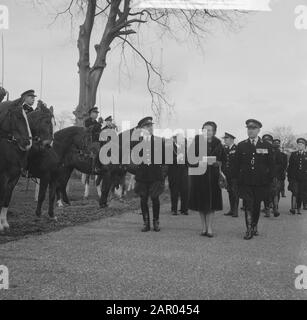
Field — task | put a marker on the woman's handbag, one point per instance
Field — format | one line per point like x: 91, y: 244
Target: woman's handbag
x: 222, y: 180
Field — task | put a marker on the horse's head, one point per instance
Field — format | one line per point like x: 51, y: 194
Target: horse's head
x: 41, y: 124
x: 14, y: 124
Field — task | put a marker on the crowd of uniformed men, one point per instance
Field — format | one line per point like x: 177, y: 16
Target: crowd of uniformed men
x: 255, y: 171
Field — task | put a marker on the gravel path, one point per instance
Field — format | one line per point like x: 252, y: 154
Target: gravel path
x: 112, y: 259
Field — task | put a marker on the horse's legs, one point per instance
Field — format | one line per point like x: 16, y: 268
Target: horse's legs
x: 52, y: 192
x: 3, y: 214
x: 66, y: 176
x: 3, y: 186
x: 41, y: 195
x: 124, y: 186
x: 12, y: 181
x: 36, y: 190
x: 98, y: 185
x: 59, y: 197
x: 105, y: 189
x: 87, y: 186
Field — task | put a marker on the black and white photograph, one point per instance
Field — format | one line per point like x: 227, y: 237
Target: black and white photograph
x: 153, y: 153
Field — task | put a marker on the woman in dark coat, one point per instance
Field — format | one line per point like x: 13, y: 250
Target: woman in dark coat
x: 205, y: 192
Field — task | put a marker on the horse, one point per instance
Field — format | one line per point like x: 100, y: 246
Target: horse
x: 111, y: 175
x: 41, y: 125
x: 48, y: 165
x: 82, y: 161
x: 15, y: 142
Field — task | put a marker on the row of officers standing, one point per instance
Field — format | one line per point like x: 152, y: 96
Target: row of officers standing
x: 255, y: 170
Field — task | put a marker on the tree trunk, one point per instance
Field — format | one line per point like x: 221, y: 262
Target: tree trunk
x: 89, y: 77
x: 89, y: 80
x: 84, y: 63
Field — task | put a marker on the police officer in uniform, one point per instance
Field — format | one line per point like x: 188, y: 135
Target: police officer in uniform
x: 150, y: 177
x: 285, y: 165
x: 254, y: 171
x: 28, y: 101
x: 109, y: 124
x: 268, y: 202
x: 228, y: 169
x: 297, y: 176
x: 280, y: 168
x: 178, y: 176
x: 92, y: 123
x: 95, y: 126
x: 281, y: 164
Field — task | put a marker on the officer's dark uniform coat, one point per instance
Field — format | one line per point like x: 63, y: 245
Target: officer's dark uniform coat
x: 96, y: 128
x: 281, y: 162
x: 254, y: 171
x: 297, y: 174
x: 254, y: 165
x: 149, y: 172
x: 228, y: 168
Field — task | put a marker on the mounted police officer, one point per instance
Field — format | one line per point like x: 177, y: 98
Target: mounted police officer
x: 92, y: 123
x: 178, y: 176
x: 95, y: 126
x: 297, y: 176
x: 228, y: 163
x: 150, y: 177
x: 254, y: 171
x: 109, y: 124
x: 29, y: 100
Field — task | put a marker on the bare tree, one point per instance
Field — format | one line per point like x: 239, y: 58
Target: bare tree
x: 286, y: 136
x: 63, y: 119
x: 121, y: 23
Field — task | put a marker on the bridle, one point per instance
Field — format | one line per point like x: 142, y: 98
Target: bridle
x: 9, y: 135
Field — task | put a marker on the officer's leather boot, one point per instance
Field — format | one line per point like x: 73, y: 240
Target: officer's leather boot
x: 235, y: 208
x: 156, y: 214
x: 298, y: 206
x: 248, y: 219
x: 267, y: 212
x: 145, y: 213
x: 146, y: 219
x: 293, y: 205
x: 275, y: 207
x: 255, y: 230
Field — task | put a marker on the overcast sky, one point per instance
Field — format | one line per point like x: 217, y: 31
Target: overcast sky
x: 258, y: 71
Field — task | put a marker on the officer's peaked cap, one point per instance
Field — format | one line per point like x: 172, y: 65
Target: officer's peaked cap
x: 228, y: 135
x: 252, y: 123
x: 145, y: 122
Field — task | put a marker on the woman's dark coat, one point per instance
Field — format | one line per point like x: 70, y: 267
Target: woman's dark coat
x: 205, y: 193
